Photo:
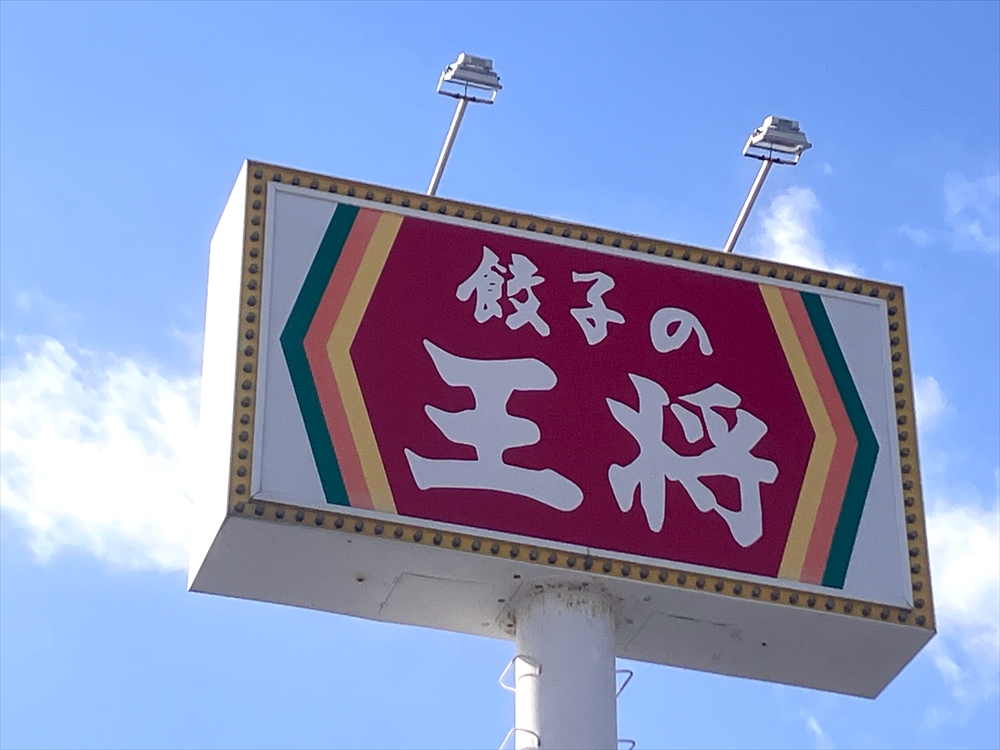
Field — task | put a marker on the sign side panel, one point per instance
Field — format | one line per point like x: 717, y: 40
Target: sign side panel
x: 215, y: 426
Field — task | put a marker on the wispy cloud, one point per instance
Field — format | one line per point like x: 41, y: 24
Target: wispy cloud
x: 788, y: 234
x: 95, y: 454
x: 971, y: 216
x: 963, y: 530
x: 820, y: 738
x: 972, y: 210
x: 930, y: 402
x: 964, y: 546
x: 965, y: 541
x: 192, y: 341
x: 920, y: 237
x: 55, y: 315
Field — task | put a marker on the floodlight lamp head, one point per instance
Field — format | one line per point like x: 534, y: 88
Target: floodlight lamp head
x: 775, y: 137
x: 467, y: 77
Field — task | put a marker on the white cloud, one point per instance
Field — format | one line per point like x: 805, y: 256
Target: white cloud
x: 920, y: 237
x: 965, y: 551
x: 827, y: 169
x: 56, y: 314
x: 930, y: 402
x: 963, y: 530
x: 972, y: 210
x: 192, y: 341
x: 964, y: 548
x: 95, y: 454
x: 971, y: 216
x: 821, y: 738
x: 788, y: 235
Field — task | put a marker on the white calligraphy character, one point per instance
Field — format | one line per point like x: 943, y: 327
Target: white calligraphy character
x: 666, y: 340
x: 490, y: 429
x: 487, y: 283
x: 594, y: 320
x: 729, y: 456
x: 523, y: 281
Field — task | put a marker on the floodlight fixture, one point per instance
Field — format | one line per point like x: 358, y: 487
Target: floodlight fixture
x: 778, y: 140
x: 468, y: 79
x: 468, y: 76
x: 777, y: 135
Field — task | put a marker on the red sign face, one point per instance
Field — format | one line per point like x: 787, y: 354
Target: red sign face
x: 543, y: 390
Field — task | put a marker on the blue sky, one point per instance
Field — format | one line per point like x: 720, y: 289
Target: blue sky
x: 122, y: 128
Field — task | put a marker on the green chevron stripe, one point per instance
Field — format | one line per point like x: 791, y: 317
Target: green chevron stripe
x: 293, y: 346
x: 863, y: 468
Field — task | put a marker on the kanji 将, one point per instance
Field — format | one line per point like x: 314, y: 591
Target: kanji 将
x: 657, y: 462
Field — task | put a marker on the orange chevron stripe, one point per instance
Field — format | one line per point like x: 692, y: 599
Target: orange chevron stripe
x: 807, y: 506
x: 338, y: 348
x: 846, y: 444
x: 314, y: 343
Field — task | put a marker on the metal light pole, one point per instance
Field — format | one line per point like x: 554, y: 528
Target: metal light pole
x: 776, y: 138
x: 464, y: 79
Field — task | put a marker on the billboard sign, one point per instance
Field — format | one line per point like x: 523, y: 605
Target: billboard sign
x: 434, y: 377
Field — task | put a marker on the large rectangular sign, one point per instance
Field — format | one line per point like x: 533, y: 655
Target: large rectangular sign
x: 715, y: 439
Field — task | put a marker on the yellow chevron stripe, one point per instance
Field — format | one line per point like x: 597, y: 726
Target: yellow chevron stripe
x: 825, y: 442
x: 339, y: 350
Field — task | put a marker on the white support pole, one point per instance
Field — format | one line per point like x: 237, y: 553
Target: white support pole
x: 449, y: 141
x: 565, y: 671
x: 758, y: 182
